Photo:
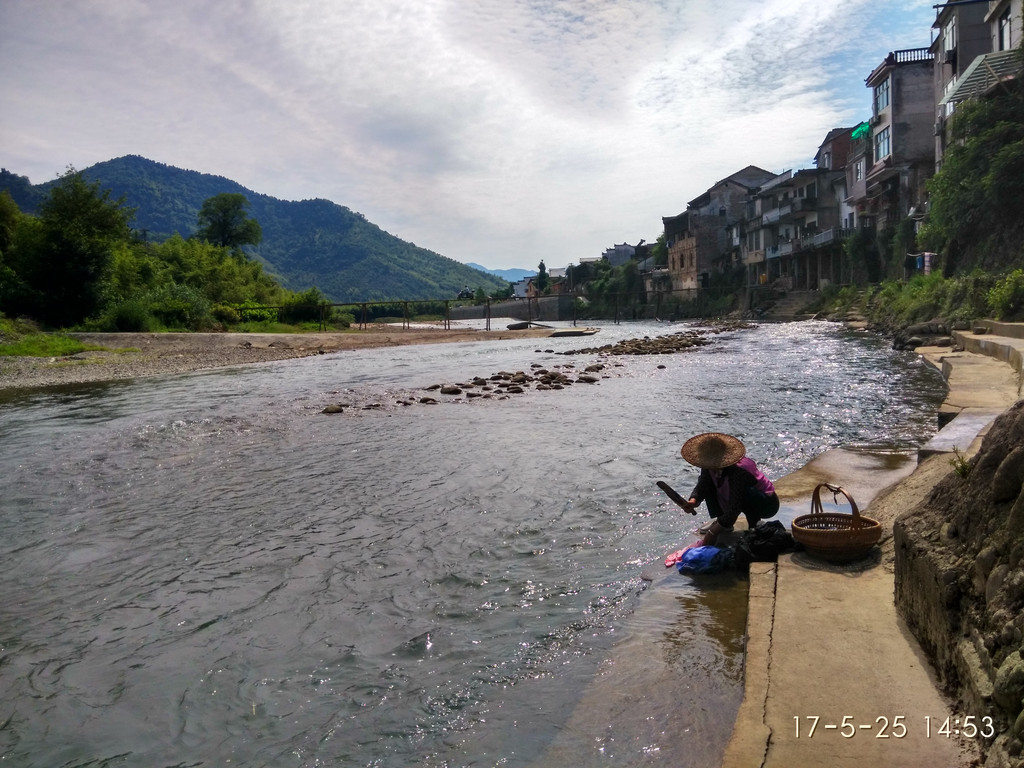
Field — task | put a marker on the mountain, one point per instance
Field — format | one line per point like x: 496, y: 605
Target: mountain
x: 512, y: 275
x: 305, y: 243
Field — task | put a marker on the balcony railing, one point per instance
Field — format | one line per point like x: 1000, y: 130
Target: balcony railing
x: 805, y: 204
x: 776, y: 213
x: 823, y: 237
x: 912, y: 54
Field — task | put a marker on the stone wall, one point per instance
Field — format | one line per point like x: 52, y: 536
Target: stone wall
x: 960, y: 584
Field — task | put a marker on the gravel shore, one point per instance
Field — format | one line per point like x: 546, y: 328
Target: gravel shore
x: 134, y: 355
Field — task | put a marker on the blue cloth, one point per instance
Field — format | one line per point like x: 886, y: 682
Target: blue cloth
x: 705, y: 560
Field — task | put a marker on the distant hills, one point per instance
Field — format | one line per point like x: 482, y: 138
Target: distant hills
x: 512, y: 275
x: 305, y: 243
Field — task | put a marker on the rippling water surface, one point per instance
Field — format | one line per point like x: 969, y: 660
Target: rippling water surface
x: 204, y: 570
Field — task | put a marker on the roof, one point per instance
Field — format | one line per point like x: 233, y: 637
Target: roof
x: 833, y: 134
x: 749, y: 178
x: 984, y: 73
x: 782, y: 178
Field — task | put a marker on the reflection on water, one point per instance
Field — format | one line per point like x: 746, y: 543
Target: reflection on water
x: 204, y: 568
x: 669, y: 691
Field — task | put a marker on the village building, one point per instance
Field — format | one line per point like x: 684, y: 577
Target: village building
x: 699, y: 239
x: 792, y: 234
x: 977, y: 46
x: 791, y: 230
x: 619, y: 254
x: 902, y: 147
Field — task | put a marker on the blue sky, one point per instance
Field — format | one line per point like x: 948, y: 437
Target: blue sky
x: 500, y: 132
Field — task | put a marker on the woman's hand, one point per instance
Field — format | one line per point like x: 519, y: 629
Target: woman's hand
x: 712, y: 535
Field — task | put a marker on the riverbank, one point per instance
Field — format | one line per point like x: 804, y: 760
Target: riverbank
x: 136, y: 355
x: 829, y: 647
x: 116, y: 356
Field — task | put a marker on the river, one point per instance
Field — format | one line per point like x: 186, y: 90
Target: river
x: 205, y: 570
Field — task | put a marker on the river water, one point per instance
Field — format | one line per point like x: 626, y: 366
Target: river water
x: 205, y: 570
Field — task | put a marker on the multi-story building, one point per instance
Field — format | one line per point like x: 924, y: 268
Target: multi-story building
x: 794, y: 226
x: 977, y: 47
x: 960, y: 36
x: 857, y: 164
x: 760, y: 230
x: 887, y: 176
x: 699, y: 240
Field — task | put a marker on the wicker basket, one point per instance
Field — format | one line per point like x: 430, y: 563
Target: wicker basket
x: 835, y: 536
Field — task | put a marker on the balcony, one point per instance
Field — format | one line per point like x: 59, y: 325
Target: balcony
x: 912, y: 54
x: 776, y: 213
x: 805, y: 204
x: 823, y: 238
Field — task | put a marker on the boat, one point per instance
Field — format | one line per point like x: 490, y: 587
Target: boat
x: 524, y: 325
x: 575, y: 331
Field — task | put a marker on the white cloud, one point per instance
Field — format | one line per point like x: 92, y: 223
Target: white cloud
x: 499, y: 132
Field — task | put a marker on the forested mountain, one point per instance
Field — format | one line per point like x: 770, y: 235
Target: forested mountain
x: 309, y: 243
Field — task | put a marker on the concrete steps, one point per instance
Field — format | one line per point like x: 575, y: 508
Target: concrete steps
x: 1002, y: 341
x: 984, y: 374
x: 790, y: 306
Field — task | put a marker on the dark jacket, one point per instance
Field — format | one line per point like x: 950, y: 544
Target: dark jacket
x: 739, y: 481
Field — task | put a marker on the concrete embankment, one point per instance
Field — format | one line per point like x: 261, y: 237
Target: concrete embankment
x: 834, y: 675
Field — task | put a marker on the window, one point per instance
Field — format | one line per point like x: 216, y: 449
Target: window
x: 949, y: 36
x: 858, y: 170
x: 882, y: 95
x: 1003, y: 41
x: 882, y: 149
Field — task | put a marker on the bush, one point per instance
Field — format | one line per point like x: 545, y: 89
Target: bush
x: 129, y: 316
x: 308, y: 306
x: 225, y: 315
x: 967, y: 298
x: 1006, y: 298
x: 179, y: 306
x: 251, y: 312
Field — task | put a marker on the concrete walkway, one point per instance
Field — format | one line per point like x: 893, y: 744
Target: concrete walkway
x: 826, y: 649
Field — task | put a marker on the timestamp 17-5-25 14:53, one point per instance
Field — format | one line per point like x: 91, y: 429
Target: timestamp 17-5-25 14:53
x: 895, y: 727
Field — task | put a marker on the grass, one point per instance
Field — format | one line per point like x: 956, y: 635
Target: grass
x: 20, y: 338
x: 961, y: 464
x: 272, y: 326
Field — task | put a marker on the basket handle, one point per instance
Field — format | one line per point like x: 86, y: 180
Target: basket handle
x: 817, y: 509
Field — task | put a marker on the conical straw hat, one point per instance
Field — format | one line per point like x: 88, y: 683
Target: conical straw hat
x: 713, y: 450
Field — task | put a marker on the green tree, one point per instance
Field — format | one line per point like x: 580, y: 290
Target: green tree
x: 542, y: 281
x: 64, y: 260
x: 213, y: 270
x: 223, y: 221
x: 502, y: 293
x: 660, y: 251
x: 974, y: 200
x: 10, y: 216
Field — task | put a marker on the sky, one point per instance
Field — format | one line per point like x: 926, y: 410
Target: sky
x: 499, y: 132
